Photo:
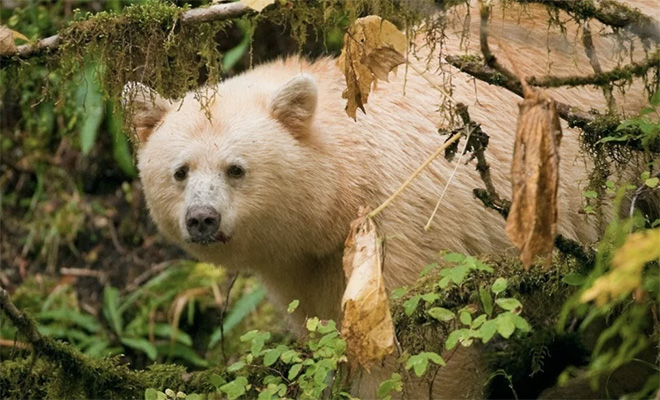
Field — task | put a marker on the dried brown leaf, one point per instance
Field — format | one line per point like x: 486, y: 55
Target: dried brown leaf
x: 257, y: 5
x: 532, y: 221
x: 367, y: 323
x: 373, y: 47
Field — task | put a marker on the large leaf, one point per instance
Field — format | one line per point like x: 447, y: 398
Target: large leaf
x: 90, y: 96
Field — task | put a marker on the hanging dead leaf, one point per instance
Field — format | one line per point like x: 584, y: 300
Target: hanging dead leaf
x: 532, y: 221
x: 7, y: 41
x: 373, y: 47
x: 257, y: 5
x: 628, y: 265
x: 367, y: 323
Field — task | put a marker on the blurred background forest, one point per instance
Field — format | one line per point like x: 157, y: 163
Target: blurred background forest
x: 79, y: 252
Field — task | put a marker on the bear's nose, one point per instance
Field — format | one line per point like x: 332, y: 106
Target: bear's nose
x: 203, y: 223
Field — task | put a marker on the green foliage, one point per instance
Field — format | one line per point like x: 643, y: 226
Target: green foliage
x: 420, y: 362
x: 394, y: 384
x: 629, y: 320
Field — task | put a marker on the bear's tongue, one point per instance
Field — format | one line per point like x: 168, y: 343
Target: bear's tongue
x: 221, y: 237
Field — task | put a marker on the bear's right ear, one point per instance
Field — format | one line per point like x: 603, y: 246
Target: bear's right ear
x: 145, y: 107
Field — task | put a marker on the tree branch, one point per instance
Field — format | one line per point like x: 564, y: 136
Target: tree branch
x: 635, y: 69
x: 215, y: 12
x: 609, y: 12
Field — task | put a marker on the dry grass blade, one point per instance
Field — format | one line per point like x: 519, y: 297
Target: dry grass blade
x: 373, y: 47
x: 367, y: 324
x: 532, y: 221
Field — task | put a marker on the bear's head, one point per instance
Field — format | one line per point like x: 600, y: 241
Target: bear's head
x: 233, y: 178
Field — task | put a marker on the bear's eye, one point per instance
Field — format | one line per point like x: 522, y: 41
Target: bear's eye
x: 181, y: 173
x: 235, y: 171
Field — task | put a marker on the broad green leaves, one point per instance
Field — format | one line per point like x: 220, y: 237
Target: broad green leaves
x: 420, y: 362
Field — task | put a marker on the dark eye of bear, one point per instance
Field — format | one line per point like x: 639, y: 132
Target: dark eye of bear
x: 235, y: 171
x: 181, y: 173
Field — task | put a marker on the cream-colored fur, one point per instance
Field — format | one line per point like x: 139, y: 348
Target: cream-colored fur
x: 309, y: 168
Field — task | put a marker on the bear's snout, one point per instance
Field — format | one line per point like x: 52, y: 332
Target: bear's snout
x: 202, y: 223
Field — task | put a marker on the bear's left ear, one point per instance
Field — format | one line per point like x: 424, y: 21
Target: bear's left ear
x: 294, y: 104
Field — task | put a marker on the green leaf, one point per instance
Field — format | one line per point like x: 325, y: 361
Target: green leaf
x: 505, y: 324
x: 181, y: 351
x: 235, y: 388
x: 258, y: 340
x: 237, y: 366
x: 312, y: 324
x: 290, y: 356
x: 465, y: 317
x: 399, y: 292
x: 574, y: 279
x: 590, y: 194
x: 435, y: 358
x: 195, y: 396
x: 91, y: 97
x: 521, y: 323
x: 499, y: 286
x: 487, y: 330
x: 428, y: 269
x: 411, y: 304
x: 441, y: 314
x: 652, y: 182
x: 389, y: 385
x: 655, y: 99
x: 292, y: 306
x: 294, y: 371
x: 234, y: 55
x: 419, y: 362
x: 271, y: 356
x: 486, y: 300
x: 455, y: 274
x: 509, y: 304
x: 430, y: 297
x: 646, y: 110
x: 141, y: 344
x: 121, y: 149
x: 454, y: 257
x: 459, y: 335
x: 151, y: 394
x: 111, y: 308
x: 243, y: 307
x: 217, y: 380
x: 476, y: 323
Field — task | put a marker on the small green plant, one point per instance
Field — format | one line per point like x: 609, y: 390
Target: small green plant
x: 645, y: 127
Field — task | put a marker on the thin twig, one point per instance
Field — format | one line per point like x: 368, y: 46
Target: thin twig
x: 223, y: 313
x: 590, y: 50
x: 453, y: 173
x: 414, y: 175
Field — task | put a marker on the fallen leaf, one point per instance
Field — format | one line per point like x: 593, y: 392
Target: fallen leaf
x: 257, y: 5
x: 532, y: 221
x: 627, y: 267
x: 373, y: 47
x: 7, y: 38
x: 367, y: 323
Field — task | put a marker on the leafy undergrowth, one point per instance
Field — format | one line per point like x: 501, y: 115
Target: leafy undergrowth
x: 488, y: 303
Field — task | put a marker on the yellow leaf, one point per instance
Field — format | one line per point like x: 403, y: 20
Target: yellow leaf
x: 257, y: 5
x: 367, y: 323
x: 627, y: 267
x: 7, y: 45
x: 532, y: 221
x: 373, y: 47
